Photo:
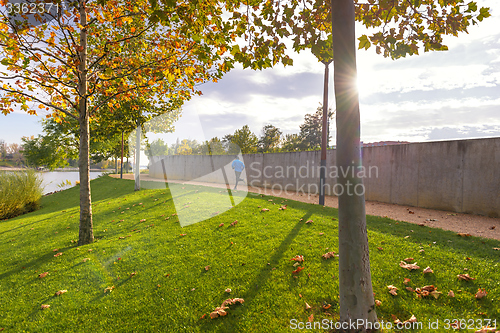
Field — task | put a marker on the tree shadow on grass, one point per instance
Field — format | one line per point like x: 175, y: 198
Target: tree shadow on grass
x: 33, y: 264
x: 261, y: 279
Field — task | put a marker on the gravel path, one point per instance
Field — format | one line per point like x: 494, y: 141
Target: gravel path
x: 475, y: 225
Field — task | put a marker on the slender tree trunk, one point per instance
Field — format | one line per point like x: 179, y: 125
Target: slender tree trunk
x: 86, y: 235
x: 121, y: 163
x: 355, y: 285
x: 324, y: 138
x: 138, y: 157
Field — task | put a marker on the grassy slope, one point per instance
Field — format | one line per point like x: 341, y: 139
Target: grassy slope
x: 251, y: 258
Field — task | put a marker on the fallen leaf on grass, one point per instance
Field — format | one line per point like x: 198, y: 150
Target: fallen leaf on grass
x: 406, y: 281
x: 435, y: 294
x: 451, y: 294
x: 207, y: 268
x: 143, y: 220
x: 380, y: 249
x: 392, y: 290
x: 410, y: 289
x: 85, y: 259
x: 408, y: 266
x: 310, y: 318
x: 496, y: 248
x: 227, y: 290
x: 412, y: 319
x: 395, y: 319
x: 329, y: 255
x: 45, y: 306
x: 326, y: 306
x: 465, y: 277
x: 58, y: 254
x: 55, y: 250
x: 264, y: 210
x: 60, y: 292
x: 234, y: 223
x: 183, y: 235
x: 309, y: 221
x: 133, y: 273
x: 42, y: 275
x: 109, y: 289
x: 428, y: 270
x: 298, y: 270
x: 283, y: 207
x: 461, y: 234
x: 298, y: 258
x: 409, y: 259
x: 221, y: 225
x: 308, y: 306
x: 481, y: 293
x: 378, y: 303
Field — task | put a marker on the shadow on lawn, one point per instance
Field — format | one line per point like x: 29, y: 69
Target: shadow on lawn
x: 33, y: 264
x: 261, y: 279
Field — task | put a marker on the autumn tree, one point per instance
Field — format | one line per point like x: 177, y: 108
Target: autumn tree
x: 397, y: 28
x: 110, y: 50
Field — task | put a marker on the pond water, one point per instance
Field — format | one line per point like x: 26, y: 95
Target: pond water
x: 52, y: 180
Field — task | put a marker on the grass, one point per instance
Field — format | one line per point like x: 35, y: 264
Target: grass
x: 171, y: 290
x: 20, y: 192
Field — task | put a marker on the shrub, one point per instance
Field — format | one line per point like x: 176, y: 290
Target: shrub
x: 20, y: 192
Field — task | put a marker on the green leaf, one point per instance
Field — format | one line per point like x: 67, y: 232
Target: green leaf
x: 364, y: 42
x: 235, y: 49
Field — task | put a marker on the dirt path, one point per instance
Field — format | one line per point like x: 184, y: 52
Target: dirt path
x: 476, y: 225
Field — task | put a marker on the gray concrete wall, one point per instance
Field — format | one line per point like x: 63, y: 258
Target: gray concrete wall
x: 459, y: 176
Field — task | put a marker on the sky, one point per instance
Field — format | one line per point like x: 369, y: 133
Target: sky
x: 434, y: 96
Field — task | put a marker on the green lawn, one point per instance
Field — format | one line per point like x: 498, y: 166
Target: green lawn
x: 171, y: 290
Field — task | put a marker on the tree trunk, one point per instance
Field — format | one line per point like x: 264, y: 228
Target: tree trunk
x: 138, y: 157
x: 86, y: 235
x: 324, y: 138
x: 355, y: 285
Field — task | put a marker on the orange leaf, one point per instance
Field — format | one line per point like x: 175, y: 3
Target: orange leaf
x: 42, y: 275
x: 45, y: 306
x: 298, y: 270
x: 311, y: 318
x: 132, y: 30
x: 60, y: 292
x: 481, y: 293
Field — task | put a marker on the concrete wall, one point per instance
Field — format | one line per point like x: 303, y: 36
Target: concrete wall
x: 459, y: 176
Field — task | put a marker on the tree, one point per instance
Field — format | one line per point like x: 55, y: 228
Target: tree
x: 157, y: 148
x: 89, y: 54
x: 270, y: 141
x: 243, y: 139
x: 311, y: 129
x: 212, y: 147
x: 400, y: 28
x: 3, y: 149
x: 292, y: 142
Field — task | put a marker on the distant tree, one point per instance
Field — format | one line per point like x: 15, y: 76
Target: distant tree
x: 311, y: 129
x: 243, y: 139
x: 184, y: 148
x: 3, y: 149
x: 291, y: 142
x: 42, y: 151
x: 212, y: 147
x: 271, y: 138
x: 157, y: 148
